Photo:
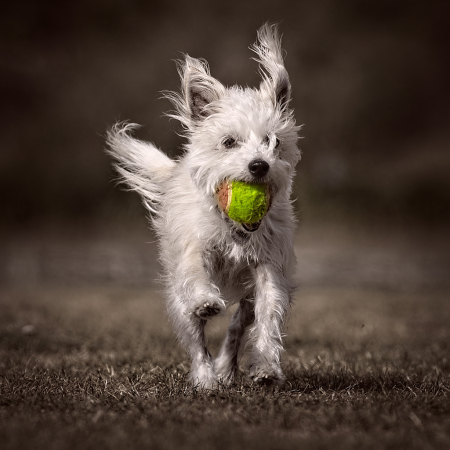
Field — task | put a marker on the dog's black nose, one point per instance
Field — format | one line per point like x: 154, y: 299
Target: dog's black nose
x: 258, y: 168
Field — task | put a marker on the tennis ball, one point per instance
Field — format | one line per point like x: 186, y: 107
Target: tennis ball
x: 245, y: 203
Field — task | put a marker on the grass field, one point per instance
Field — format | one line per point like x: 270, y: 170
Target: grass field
x: 93, y: 366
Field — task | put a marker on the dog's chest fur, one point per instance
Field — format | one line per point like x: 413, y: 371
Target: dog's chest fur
x: 234, y: 278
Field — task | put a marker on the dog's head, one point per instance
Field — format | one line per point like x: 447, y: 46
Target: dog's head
x: 239, y: 133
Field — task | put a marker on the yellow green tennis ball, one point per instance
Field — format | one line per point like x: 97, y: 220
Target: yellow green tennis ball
x: 243, y: 202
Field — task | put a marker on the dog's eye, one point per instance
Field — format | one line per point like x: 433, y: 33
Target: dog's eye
x: 229, y: 142
x: 266, y: 141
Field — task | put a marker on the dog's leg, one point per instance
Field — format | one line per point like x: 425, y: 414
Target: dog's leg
x: 190, y: 331
x: 202, y: 370
x: 225, y: 365
x: 193, y: 298
x: 189, y: 280
x: 272, y: 303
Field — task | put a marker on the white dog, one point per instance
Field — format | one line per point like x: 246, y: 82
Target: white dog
x: 210, y: 261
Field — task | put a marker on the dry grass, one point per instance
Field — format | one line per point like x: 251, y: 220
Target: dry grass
x: 84, y: 368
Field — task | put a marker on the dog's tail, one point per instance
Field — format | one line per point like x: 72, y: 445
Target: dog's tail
x: 141, y: 166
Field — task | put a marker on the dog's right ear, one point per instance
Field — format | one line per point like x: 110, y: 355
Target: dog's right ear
x: 199, y: 92
x: 200, y: 89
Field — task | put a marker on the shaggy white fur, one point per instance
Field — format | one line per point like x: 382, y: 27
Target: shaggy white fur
x: 211, y: 262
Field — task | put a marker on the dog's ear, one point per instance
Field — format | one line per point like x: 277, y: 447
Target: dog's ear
x: 275, y: 82
x: 199, y: 92
x: 200, y: 89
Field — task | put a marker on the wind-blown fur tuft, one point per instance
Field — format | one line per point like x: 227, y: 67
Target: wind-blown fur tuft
x: 211, y: 262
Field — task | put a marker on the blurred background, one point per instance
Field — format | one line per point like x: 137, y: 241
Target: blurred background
x: 370, y: 84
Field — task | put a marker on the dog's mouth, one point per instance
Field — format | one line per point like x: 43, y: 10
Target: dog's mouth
x: 251, y: 227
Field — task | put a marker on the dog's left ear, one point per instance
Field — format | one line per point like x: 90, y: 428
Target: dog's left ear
x: 275, y: 77
x: 200, y: 89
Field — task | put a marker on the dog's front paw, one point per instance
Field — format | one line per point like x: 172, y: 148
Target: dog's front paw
x: 225, y: 370
x: 208, y: 309
x: 266, y: 376
x: 203, y: 376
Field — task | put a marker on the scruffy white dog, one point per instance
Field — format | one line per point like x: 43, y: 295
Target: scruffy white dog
x: 210, y: 261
